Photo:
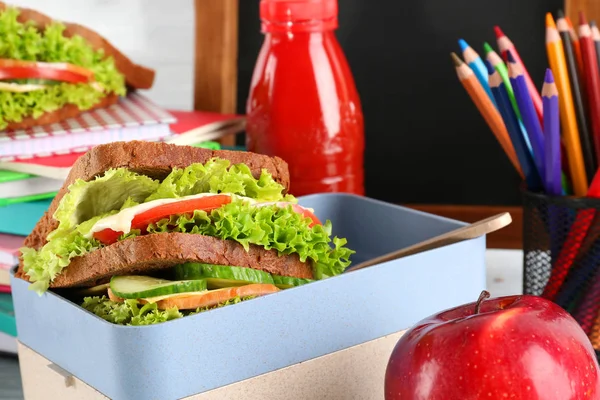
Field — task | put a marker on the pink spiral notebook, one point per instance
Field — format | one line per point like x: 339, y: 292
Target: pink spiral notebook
x: 133, y: 118
x: 9, y: 249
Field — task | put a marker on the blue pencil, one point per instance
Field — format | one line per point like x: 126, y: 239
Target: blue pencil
x: 512, y: 126
x: 552, y: 175
x: 478, y: 66
x: 528, y: 113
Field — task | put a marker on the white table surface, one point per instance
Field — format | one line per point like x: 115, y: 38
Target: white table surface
x: 504, y: 277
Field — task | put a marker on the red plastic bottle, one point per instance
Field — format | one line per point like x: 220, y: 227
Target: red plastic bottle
x: 303, y: 104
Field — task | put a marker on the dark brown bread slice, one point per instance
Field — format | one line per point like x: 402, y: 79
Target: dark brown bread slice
x: 153, y: 159
x: 136, y: 76
x: 164, y: 250
x: 68, y: 111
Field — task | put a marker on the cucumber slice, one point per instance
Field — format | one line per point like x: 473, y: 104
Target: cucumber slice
x: 139, y: 287
x: 286, y: 282
x: 222, y: 276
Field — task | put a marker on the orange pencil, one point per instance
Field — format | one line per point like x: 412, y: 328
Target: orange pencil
x: 486, y: 108
x: 576, y: 47
x: 568, y: 120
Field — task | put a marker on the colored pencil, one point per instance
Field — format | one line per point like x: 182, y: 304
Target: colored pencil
x: 578, y: 285
x: 578, y: 231
x: 596, y: 39
x: 576, y: 47
x: 493, y: 58
x: 476, y: 64
x: 554, y: 178
x: 595, y: 334
x: 570, y: 133
x: 587, y: 310
x: 486, y: 108
x: 528, y: 111
x: 585, y: 136
x: 505, y: 45
x: 512, y: 125
x: 590, y: 66
x: 551, y: 136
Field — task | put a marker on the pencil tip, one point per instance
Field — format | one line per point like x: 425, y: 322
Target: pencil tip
x: 582, y: 20
x: 550, y: 21
x: 509, y: 56
x: 487, y: 48
x: 498, y: 32
x: 456, y: 59
x: 560, y: 14
x: 463, y: 45
x: 549, y: 77
x: 489, y: 67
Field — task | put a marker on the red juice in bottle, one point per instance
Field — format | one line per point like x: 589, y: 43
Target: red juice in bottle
x: 303, y: 104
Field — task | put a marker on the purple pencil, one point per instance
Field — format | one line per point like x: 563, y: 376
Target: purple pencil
x: 552, y: 166
x: 528, y: 113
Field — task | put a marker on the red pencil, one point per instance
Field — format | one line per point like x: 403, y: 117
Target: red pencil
x: 590, y: 67
x: 504, y: 45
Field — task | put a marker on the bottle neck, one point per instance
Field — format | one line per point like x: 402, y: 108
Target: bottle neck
x: 314, y: 25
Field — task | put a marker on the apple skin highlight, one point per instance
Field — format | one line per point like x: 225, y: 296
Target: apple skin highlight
x: 514, y: 347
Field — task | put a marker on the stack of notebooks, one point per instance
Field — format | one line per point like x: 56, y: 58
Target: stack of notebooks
x: 35, y: 162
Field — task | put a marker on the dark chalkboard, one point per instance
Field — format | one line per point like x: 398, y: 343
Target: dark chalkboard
x: 425, y: 140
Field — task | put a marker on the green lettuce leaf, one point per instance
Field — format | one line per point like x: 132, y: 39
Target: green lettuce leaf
x: 112, y: 191
x: 130, y: 312
x: 24, y: 42
x: 219, y: 176
x: 43, y: 265
x: 272, y: 227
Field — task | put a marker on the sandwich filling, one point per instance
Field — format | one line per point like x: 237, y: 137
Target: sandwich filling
x: 214, y: 199
x: 42, y: 71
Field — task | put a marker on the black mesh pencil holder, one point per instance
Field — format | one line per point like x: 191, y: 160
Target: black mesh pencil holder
x: 561, y: 246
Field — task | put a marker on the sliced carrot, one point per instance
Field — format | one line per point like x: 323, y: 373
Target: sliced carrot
x: 114, y: 297
x: 214, y: 297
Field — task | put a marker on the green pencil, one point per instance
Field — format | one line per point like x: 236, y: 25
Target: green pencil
x: 493, y: 58
x: 499, y: 66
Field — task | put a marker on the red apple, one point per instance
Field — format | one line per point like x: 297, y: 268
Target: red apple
x: 515, y: 347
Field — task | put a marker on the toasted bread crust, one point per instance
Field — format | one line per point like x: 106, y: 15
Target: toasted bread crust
x: 136, y: 76
x: 66, y: 112
x: 164, y: 250
x: 150, y: 158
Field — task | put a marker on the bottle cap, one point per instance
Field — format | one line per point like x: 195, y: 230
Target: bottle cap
x: 316, y: 14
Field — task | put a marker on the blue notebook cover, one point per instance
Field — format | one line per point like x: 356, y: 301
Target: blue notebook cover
x: 8, y: 324
x: 20, y: 218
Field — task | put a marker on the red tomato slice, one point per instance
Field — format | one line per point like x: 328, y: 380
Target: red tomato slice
x: 38, y: 73
x: 143, y: 219
x: 64, y: 72
x: 4, y: 62
x: 305, y: 212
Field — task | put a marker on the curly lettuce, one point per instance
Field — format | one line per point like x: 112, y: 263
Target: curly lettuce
x: 219, y: 176
x: 278, y: 228
x: 23, y: 41
x: 130, y: 312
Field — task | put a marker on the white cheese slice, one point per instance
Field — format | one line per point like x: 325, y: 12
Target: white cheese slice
x: 19, y: 88
x: 121, y: 222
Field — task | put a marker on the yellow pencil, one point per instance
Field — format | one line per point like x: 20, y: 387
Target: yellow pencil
x: 484, y: 104
x: 568, y: 120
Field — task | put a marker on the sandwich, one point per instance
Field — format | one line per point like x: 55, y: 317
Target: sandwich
x: 145, y: 232
x: 51, y: 71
